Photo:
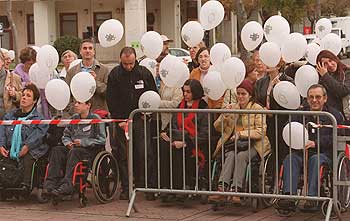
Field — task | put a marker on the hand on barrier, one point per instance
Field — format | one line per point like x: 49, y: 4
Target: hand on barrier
x: 4, y: 152
x: 122, y: 125
x: 310, y: 144
x: 164, y: 136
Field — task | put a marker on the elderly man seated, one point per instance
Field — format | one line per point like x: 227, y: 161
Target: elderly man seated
x: 316, y: 99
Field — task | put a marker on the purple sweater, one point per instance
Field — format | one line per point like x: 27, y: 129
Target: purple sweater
x: 24, y: 76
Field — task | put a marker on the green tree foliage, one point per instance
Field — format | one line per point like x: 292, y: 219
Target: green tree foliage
x: 67, y: 42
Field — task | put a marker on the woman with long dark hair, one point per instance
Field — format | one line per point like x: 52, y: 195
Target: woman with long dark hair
x: 335, y: 77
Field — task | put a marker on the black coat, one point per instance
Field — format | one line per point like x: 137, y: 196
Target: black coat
x: 260, y: 90
x: 125, y: 88
x: 337, y: 87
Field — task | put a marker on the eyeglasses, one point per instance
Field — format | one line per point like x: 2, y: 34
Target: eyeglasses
x: 317, y: 97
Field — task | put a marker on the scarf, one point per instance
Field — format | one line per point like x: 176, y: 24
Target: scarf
x: 16, y: 141
x: 190, y: 127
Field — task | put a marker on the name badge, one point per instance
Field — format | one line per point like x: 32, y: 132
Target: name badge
x: 313, y: 130
x: 139, y: 85
x: 87, y: 128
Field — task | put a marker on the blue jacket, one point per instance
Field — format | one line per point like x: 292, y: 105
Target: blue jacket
x: 32, y: 135
x: 91, y: 135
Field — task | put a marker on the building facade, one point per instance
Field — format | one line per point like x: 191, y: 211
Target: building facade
x: 41, y: 22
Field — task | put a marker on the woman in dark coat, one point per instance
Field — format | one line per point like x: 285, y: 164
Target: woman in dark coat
x: 335, y: 77
x: 193, y: 93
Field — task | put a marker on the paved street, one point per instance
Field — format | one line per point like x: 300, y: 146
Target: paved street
x: 191, y: 210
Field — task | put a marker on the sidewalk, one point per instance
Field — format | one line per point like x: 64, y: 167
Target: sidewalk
x: 154, y: 210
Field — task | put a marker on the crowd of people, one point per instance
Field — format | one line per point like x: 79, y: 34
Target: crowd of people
x: 118, y: 92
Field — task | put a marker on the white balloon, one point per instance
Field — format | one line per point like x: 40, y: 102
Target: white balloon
x: 305, y: 76
x: 36, y: 48
x: 323, y: 27
x: 150, y: 64
x: 47, y: 57
x: 233, y: 72
x: 184, y: 74
x: 331, y: 42
x: 172, y: 71
x: 192, y: 33
x: 149, y: 99
x: 83, y: 86
x: 152, y: 44
x: 276, y: 29
x: 294, y: 47
x: 211, y: 15
x: 213, y: 86
x: 219, y: 53
x: 286, y: 95
x: 251, y: 35
x: 312, y: 50
x: 39, y: 76
x: 270, y: 54
x: 57, y: 87
x: 110, y: 33
x: 75, y: 62
x: 218, y: 68
x: 12, y: 54
x: 293, y: 135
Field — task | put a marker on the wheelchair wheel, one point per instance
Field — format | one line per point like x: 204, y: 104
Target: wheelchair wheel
x: 267, y: 182
x: 344, y: 175
x: 105, y: 177
x: 324, y: 208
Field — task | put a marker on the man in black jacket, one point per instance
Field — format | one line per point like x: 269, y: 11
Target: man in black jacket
x: 126, y: 83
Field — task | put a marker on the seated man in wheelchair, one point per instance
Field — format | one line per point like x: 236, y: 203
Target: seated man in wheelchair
x: 21, y: 145
x: 81, y: 142
x: 316, y: 99
x: 237, y: 128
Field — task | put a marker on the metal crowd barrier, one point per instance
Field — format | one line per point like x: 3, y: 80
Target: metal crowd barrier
x: 208, y: 114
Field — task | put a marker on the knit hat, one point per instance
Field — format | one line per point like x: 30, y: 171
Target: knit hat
x: 247, y: 85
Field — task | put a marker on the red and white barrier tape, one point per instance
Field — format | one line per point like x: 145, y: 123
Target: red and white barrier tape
x: 328, y: 126
x: 62, y: 121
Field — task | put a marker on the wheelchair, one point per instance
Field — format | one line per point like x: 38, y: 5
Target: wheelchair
x: 37, y: 180
x: 261, y: 182
x: 325, y: 189
x: 102, y: 175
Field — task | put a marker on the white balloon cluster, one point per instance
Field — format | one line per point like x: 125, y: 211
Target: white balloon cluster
x: 46, y: 62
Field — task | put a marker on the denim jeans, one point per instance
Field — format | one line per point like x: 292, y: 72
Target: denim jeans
x: 313, y: 170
